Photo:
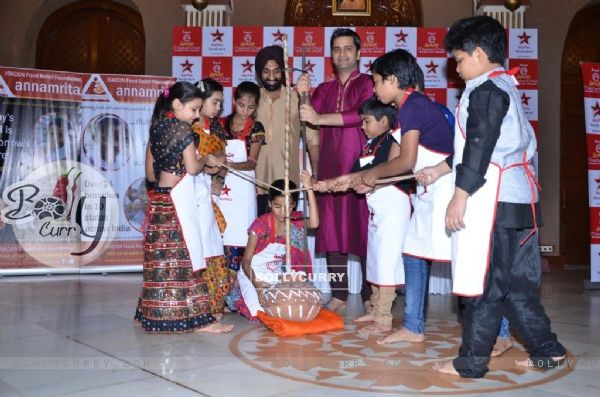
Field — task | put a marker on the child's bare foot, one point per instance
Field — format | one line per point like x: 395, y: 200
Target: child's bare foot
x: 364, y: 318
x: 336, y: 304
x: 445, y: 367
x: 402, y: 335
x: 375, y: 329
x: 541, y: 363
x: 501, y: 346
x: 216, y: 328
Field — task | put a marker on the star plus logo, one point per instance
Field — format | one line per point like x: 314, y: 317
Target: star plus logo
x: 597, y: 180
x: 524, y: 38
x: 401, y: 36
x: 278, y: 36
x: 247, y: 66
x: 525, y: 99
x: 596, y: 109
x: 308, y: 67
x: 225, y: 191
x: 368, y: 65
x: 186, y: 66
x: 217, y: 36
x: 431, y: 67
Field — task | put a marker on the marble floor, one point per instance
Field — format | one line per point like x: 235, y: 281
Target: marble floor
x: 74, y: 336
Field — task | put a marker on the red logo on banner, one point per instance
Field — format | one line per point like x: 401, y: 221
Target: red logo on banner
x: 186, y: 66
x: 401, y: 37
x: 311, y: 39
x: 431, y: 67
x: 525, y: 99
x: 596, y: 109
x: 247, y: 66
x: 524, y: 38
x: 278, y: 36
x: 218, y: 68
x: 373, y: 41
x: 593, y: 146
x: 527, y: 76
x: 247, y: 40
x: 187, y: 40
x: 217, y: 36
x: 595, y: 223
x: 591, y: 80
x: 430, y: 43
x: 309, y: 66
x: 438, y: 95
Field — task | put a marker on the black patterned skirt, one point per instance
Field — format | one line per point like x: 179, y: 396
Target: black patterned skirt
x: 175, y: 298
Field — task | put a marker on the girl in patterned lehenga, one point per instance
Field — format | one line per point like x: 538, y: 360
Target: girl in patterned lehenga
x: 212, y: 138
x: 175, y: 297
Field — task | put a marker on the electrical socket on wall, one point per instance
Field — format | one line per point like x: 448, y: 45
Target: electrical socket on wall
x: 546, y: 249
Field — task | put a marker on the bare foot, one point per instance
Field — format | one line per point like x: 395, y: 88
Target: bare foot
x: 216, y: 328
x: 402, y: 335
x: 502, y: 345
x: 375, y: 329
x: 365, y: 318
x: 550, y: 363
x: 336, y: 304
x: 445, y: 367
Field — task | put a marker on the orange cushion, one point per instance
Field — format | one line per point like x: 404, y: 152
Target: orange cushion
x: 325, y: 321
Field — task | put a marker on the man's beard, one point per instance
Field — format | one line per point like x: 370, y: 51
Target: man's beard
x: 272, y: 85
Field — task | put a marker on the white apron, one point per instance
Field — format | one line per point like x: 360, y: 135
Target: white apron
x: 238, y: 198
x: 427, y: 236
x: 471, y: 247
x: 389, y: 209
x: 267, y: 267
x: 192, y: 200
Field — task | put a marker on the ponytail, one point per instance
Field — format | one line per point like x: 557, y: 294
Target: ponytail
x: 182, y: 90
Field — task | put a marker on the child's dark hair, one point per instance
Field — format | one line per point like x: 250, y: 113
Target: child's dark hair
x: 374, y: 107
x: 208, y: 87
x: 247, y: 88
x: 280, y: 184
x: 345, y: 32
x: 182, y: 90
x: 399, y: 63
x: 478, y: 31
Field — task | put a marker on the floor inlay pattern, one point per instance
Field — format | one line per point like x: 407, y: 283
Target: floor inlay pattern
x: 348, y: 360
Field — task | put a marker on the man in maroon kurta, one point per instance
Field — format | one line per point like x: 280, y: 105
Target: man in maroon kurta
x: 334, y: 108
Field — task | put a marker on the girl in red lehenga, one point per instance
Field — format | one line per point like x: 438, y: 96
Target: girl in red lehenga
x: 184, y: 286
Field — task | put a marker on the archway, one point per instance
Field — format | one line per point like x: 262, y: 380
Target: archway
x: 582, y: 44
x: 93, y: 36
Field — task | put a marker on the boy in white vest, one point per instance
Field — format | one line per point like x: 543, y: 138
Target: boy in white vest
x: 491, y: 166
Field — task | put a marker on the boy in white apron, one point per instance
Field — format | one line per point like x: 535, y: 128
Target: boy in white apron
x: 426, y: 140
x: 389, y: 208
x: 495, y: 251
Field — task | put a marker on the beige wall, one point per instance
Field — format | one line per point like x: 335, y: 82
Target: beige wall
x: 22, y: 19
